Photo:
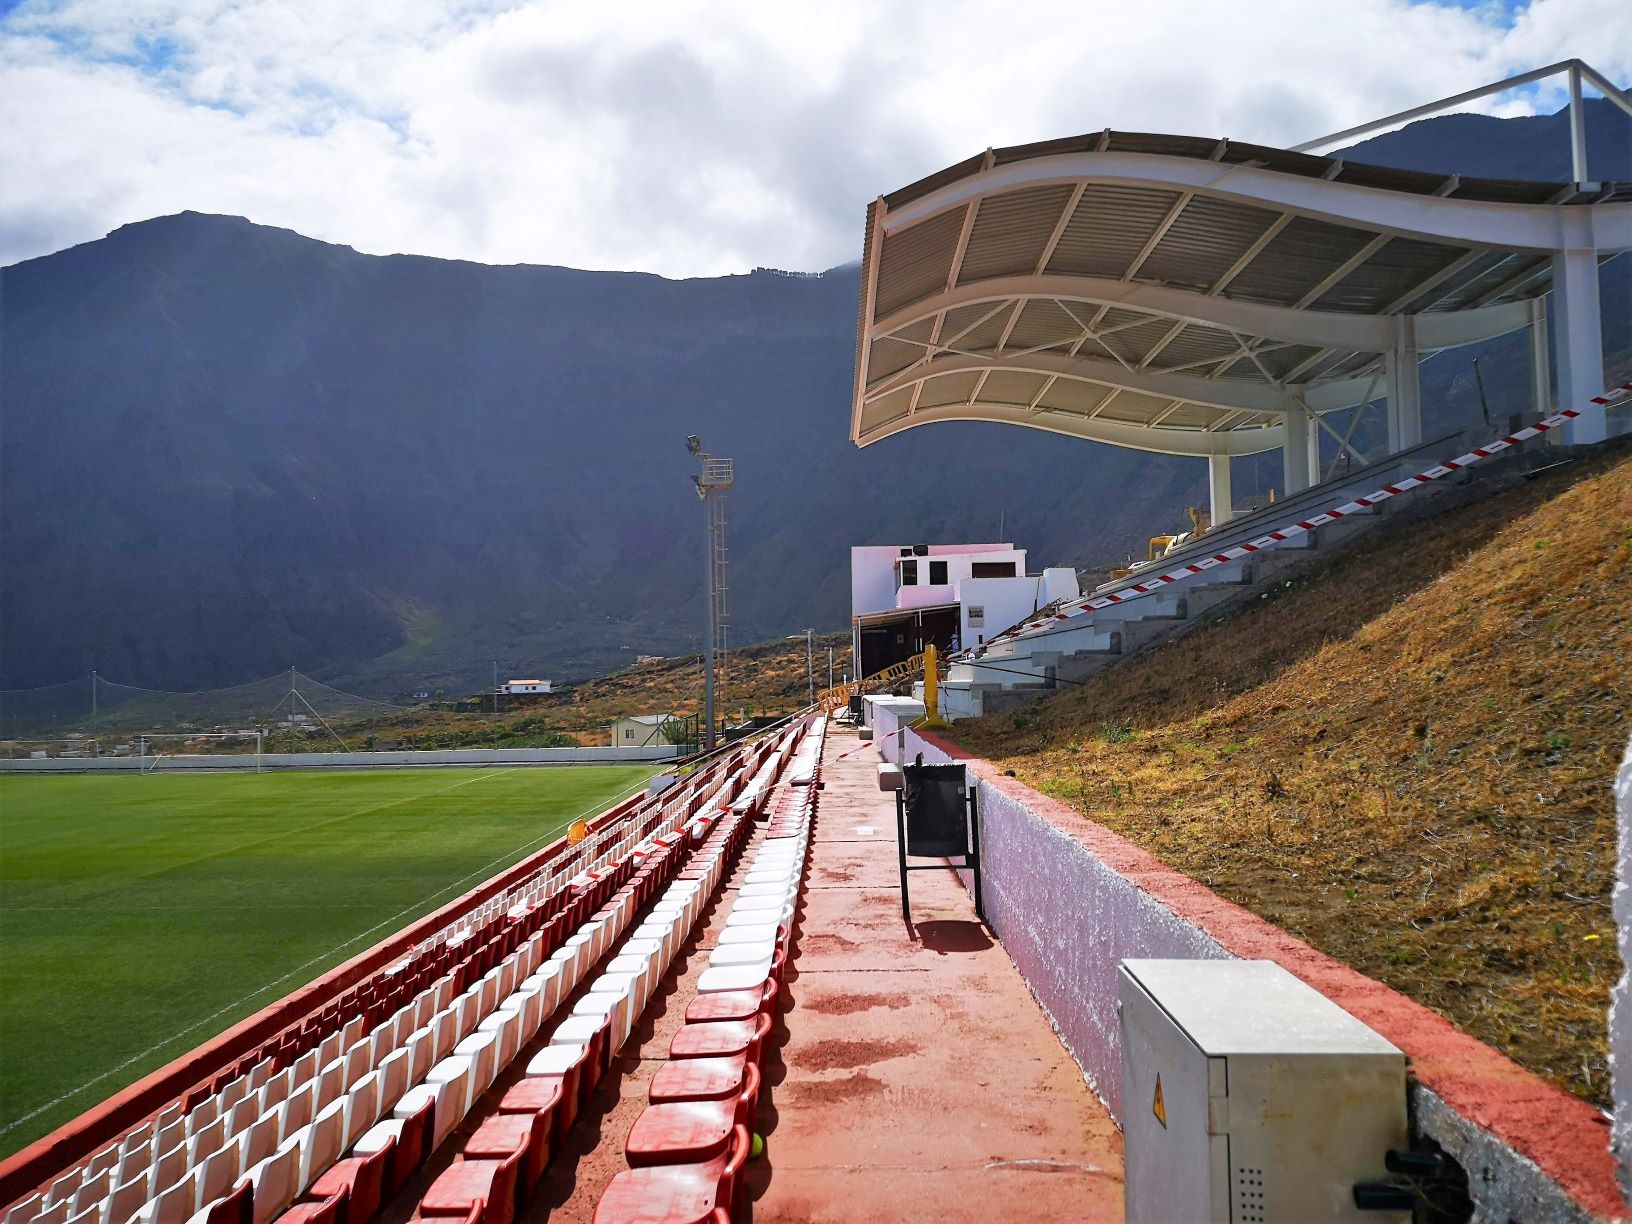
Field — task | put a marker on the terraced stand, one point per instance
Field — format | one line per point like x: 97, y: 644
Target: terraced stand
x: 687, y: 1150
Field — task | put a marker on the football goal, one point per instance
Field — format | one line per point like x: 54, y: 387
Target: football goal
x: 153, y: 748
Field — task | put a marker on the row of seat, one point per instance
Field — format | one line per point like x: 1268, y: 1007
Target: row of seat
x: 687, y: 1149
x: 500, y: 1165
x: 456, y: 1057
x: 807, y: 763
x: 303, y: 1146
x: 175, y: 1162
x: 508, y: 1155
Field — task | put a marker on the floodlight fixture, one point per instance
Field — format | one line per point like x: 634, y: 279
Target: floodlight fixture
x: 694, y: 444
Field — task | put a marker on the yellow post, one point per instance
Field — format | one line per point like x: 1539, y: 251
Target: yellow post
x: 932, y: 688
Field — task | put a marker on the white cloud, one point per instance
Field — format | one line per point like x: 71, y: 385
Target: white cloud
x: 676, y: 136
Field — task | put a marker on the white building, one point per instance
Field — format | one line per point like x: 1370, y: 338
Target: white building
x: 903, y: 597
x: 513, y: 687
x: 640, y: 731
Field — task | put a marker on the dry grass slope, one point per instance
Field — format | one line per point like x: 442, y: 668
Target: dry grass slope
x: 1404, y: 759
x: 767, y: 678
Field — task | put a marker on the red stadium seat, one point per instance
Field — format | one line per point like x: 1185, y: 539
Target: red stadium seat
x: 483, y: 1190
x: 721, y: 1038
x: 325, y: 1212
x: 504, y: 1134
x: 731, y: 1004
x: 681, y: 1132
x: 358, y: 1182
x: 236, y: 1207
x: 678, y: 1194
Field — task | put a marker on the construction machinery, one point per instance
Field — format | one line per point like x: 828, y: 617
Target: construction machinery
x: 1201, y: 521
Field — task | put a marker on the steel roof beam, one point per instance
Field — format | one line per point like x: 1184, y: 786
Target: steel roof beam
x: 1539, y: 227
x: 1077, y: 425
x: 1325, y: 328
x: 1251, y: 397
x: 1222, y: 394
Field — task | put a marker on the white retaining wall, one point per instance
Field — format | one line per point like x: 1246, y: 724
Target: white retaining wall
x: 349, y: 760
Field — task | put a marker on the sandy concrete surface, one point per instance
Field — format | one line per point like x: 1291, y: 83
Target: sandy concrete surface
x: 917, y: 1078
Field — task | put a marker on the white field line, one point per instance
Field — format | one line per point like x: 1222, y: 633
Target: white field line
x: 322, y: 956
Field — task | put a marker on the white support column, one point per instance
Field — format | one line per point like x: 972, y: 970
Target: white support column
x: 1220, y: 498
x: 1312, y: 425
x: 1580, y: 341
x: 1404, y: 392
x: 1541, y: 369
x: 1300, y: 453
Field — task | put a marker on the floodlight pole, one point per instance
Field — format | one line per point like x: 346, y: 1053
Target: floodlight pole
x: 709, y: 626
x: 810, y: 667
x: 716, y: 477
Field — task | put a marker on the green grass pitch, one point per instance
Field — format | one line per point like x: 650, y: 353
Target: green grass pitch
x: 141, y: 915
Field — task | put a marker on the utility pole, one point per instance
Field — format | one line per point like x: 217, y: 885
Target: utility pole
x: 830, y: 667
x: 717, y: 476
x: 810, y: 664
x: 93, y: 694
x: 495, y: 688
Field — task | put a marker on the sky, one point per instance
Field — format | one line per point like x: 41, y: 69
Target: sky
x: 681, y: 137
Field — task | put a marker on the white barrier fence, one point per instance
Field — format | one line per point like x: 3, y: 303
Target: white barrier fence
x: 346, y: 760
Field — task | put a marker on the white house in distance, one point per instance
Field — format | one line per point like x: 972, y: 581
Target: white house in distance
x: 513, y: 687
x: 903, y: 597
x: 640, y: 731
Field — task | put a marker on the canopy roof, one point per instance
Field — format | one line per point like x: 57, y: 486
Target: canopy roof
x: 1179, y: 294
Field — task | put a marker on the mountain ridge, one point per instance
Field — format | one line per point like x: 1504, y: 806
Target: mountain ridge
x: 229, y: 449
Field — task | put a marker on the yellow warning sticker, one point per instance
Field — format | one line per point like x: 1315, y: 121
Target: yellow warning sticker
x: 1159, y: 1106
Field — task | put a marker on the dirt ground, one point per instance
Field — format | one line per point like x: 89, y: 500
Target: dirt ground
x: 1404, y: 759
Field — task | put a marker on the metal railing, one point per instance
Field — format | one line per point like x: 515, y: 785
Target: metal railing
x: 903, y: 672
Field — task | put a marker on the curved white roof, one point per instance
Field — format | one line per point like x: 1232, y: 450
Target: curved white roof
x: 1178, y: 294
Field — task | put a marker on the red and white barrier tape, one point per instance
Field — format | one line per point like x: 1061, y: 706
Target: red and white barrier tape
x: 1288, y: 531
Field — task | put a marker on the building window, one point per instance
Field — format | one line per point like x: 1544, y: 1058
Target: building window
x: 993, y: 569
x: 909, y: 573
x: 628, y: 733
x: 937, y: 573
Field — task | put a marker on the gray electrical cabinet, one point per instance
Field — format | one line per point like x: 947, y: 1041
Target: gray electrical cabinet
x: 1249, y: 1097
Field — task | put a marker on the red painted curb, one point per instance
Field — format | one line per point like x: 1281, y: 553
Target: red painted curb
x: 1568, y: 1138
x: 45, y: 1159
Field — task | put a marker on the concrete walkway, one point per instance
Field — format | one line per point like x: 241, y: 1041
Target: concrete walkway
x: 918, y: 1079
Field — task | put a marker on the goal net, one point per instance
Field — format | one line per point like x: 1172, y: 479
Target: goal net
x: 153, y: 748
x: 95, y: 706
